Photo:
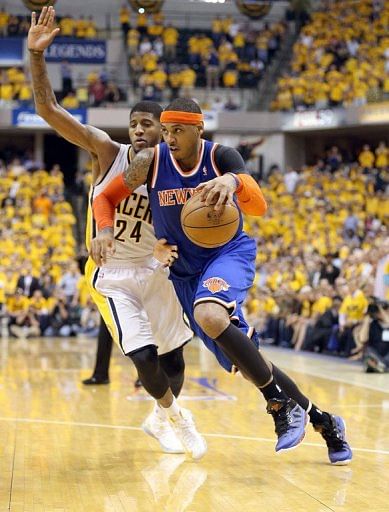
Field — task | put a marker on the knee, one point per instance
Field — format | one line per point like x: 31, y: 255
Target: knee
x: 212, y: 318
x: 173, y: 362
x: 145, y: 359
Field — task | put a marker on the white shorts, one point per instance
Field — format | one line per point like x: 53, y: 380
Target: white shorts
x: 143, y: 307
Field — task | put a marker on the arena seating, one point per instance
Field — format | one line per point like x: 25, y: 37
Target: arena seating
x: 322, y: 237
x: 340, y: 58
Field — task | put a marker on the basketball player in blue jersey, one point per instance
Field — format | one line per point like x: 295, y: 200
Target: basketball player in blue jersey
x: 132, y: 287
x: 212, y: 284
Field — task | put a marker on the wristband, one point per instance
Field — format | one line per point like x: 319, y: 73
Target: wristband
x: 238, y: 183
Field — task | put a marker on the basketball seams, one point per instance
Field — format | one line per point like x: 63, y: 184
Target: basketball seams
x: 210, y: 227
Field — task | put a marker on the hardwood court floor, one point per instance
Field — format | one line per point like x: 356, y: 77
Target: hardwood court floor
x: 67, y: 448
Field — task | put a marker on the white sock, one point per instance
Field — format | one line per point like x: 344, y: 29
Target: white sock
x: 173, y: 410
x: 158, y: 411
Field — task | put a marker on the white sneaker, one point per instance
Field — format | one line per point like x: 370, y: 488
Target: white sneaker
x: 161, y: 429
x: 185, y: 429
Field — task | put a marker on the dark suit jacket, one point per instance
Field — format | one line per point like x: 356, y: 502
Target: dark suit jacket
x: 28, y: 290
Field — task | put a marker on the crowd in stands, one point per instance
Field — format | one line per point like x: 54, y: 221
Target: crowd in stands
x: 229, y: 55
x: 322, y: 282
x: 18, y: 26
x: 14, y: 86
x: 341, y: 58
x: 42, y: 291
x: 95, y: 90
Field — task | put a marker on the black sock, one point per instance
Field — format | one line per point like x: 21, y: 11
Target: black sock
x: 273, y: 390
x: 244, y: 355
x: 290, y: 388
x: 315, y: 414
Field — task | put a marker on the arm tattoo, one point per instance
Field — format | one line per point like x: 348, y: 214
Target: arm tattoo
x: 43, y: 92
x: 137, y: 171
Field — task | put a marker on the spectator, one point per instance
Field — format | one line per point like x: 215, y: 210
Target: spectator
x: 366, y: 158
x: 291, y: 179
x: 27, y: 282
x: 213, y: 71
x: 246, y: 148
x: 97, y: 92
x: 81, y: 26
x: 141, y: 23
x: 40, y: 309
x: 145, y: 46
x: 328, y: 270
x: 59, y: 319
x: 67, y: 26
x: 188, y: 81
x: 67, y: 80
x: 351, y: 222
x: 326, y: 325
x: 43, y: 204
x: 13, y: 25
x: 382, y: 156
x: 91, y: 30
x: 112, y: 94
x: 376, y: 351
x: 334, y: 158
x: 68, y: 282
x: 170, y: 39
x: 90, y: 320
x: 4, y: 18
x: 124, y: 18
x: 70, y: 101
x: 133, y: 37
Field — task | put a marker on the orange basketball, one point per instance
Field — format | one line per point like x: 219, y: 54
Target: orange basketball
x: 206, y: 227
x: 38, y: 4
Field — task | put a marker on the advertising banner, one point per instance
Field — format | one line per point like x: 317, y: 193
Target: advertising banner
x: 11, y: 51
x: 28, y: 118
x: 84, y: 51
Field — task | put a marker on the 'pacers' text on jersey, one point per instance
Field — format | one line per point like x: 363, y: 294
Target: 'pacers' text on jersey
x: 133, y: 230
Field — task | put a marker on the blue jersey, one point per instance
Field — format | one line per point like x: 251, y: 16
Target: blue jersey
x: 169, y: 189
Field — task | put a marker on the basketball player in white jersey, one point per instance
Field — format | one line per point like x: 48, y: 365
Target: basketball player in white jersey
x: 132, y: 290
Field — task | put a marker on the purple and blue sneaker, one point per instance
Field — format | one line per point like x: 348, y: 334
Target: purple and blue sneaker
x: 290, y: 420
x: 333, y: 431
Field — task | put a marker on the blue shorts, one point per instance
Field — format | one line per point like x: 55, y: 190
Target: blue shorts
x: 226, y: 280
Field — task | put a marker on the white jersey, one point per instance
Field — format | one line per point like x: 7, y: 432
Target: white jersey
x: 133, y: 230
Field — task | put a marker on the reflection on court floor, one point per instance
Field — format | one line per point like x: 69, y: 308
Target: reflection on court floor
x: 73, y: 449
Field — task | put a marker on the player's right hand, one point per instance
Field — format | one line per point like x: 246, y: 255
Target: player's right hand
x: 42, y: 33
x: 165, y: 253
x: 102, y: 246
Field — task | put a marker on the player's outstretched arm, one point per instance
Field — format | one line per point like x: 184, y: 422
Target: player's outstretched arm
x: 40, y: 36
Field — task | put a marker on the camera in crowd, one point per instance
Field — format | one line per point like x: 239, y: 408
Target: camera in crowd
x: 375, y: 305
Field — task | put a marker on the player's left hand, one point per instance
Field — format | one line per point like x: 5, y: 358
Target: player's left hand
x: 218, y: 192
x: 165, y: 253
x: 102, y: 246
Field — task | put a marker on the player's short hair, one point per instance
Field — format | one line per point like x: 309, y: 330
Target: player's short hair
x: 152, y: 107
x: 184, y: 105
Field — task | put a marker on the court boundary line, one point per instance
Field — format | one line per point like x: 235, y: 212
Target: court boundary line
x: 335, y: 379
x: 138, y: 429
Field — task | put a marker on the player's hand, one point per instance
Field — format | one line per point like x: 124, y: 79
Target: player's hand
x: 219, y: 191
x: 42, y: 33
x: 102, y: 246
x: 165, y: 253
